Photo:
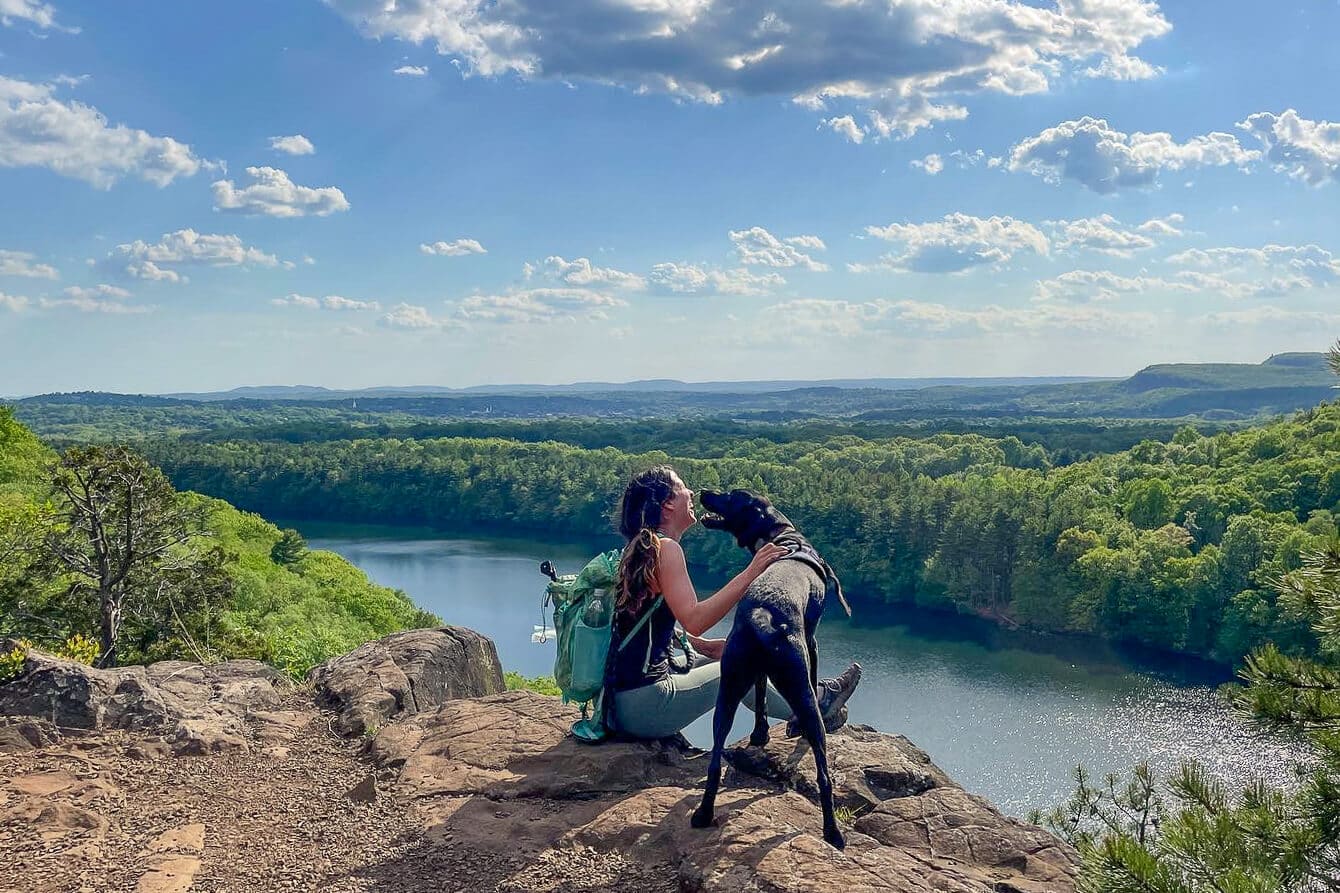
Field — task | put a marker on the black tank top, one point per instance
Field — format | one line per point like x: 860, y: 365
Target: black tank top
x: 646, y: 658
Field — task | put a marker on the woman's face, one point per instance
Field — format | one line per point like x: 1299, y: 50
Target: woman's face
x: 677, y: 511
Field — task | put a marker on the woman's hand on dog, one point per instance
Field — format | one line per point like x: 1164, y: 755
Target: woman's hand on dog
x: 766, y: 555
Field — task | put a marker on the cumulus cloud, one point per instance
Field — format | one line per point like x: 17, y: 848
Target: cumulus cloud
x: 21, y: 263
x: 537, y: 305
x: 846, y: 126
x: 12, y: 303
x: 39, y: 15
x: 297, y: 300
x: 692, y: 279
x: 413, y: 71
x: 98, y: 291
x: 1103, y: 285
x: 86, y: 303
x: 1107, y: 235
x: 1305, y: 150
x: 455, y: 248
x: 75, y: 140
x: 1105, y: 160
x: 580, y: 272
x: 1253, y: 272
x: 411, y: 316
x: 931, y: 164
x: 275, y: 195
x: 758, y: 247
x: 955, y: 243
x: 292, y: 145
x: 901, y: 65
x: 188, y: 247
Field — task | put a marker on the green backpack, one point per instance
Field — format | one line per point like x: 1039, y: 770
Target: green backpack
x: 583, y: 623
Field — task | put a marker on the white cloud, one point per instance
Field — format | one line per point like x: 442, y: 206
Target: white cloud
x: 691, y: 279
x: 813, y: 243
x: 900, y: 64
x: 275, y: 195
x: 414, y: 71
x: 150, y: 271
x: 456, y: 248
x: 292, y: 145
x: 1253, y: 272
x: 931, y: 164
x: 580, y: 272
x: 186, y: 246
x: 86, y: 303
x: 335, y: 302
x: 13, y: 303
x: 1123, y: 68
x: 20, y: 263
x: 1107, y: 235
x: 846, y: 126
x: 410, y: 316
x: 538, y: 305
x: 955, y: 243
x: 297, y: 300
x: 758, y: 247
x: 39, y: 15
x: 1305, y: 150
x: 1105, y: 160
x: 1103, y: 285
x: 308, y: 260
x: 75, y: 140
x: 97, y: 291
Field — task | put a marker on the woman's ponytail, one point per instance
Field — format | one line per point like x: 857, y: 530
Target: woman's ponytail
x: 639, y: 520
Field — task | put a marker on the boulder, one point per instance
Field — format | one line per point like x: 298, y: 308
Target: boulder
x: 203, y: 708
x: 406, y: 673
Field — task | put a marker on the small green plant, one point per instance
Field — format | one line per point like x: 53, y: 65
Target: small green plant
x: 11, y: 664
x: 80, y: 648
x: 844, y: 814
x: 544, y: 685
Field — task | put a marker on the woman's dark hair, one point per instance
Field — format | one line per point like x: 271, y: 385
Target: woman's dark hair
x: 639, y: 518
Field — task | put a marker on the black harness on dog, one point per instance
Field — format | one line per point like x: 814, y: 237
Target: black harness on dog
x: 803, y: 550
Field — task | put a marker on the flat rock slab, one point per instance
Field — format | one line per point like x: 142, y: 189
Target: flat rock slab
x: 500, y: 775
x: 169, y: 874
x: 404, y: 674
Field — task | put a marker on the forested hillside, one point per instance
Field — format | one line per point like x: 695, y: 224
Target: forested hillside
x: 1170, y: 545
x: 268, y: 597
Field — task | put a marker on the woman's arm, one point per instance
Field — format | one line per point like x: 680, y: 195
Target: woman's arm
x: 697, y: 617
x: 708, y: 647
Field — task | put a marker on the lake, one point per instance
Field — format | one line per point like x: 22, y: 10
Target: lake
x: 1007, y: 715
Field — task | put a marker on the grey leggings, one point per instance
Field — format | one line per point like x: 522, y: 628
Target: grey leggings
x: 670, y: 704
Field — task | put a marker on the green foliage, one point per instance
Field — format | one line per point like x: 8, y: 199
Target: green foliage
x: 290, y: 547
x: 79, y: 648
x: 293, y: 614
x: 11, y: 662
x: 544, y: 685
x: 1169, y: 544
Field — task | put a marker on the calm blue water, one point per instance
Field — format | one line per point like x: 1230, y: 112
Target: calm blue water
x: 1007, y: 716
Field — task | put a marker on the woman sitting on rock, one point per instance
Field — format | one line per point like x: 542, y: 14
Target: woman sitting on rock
x: 651, y: 699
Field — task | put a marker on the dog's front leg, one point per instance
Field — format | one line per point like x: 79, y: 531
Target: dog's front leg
x: 759, y: 737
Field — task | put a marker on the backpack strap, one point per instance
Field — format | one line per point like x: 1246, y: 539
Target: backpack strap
x: 641, y: 622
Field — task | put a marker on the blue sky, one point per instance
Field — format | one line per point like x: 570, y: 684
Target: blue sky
x: 457, y: 192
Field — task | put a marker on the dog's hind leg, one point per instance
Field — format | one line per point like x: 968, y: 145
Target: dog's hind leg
x: 734, y: 685
x: 805, y: 703
x: 759, y: 737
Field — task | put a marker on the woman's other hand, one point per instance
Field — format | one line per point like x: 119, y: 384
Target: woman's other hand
x: 766, y: 555
x: 710, y: 648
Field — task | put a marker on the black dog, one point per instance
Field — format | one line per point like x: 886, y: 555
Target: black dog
x: 773, y: 638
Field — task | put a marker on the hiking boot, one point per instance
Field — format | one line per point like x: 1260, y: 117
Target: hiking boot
x: 833, y: 696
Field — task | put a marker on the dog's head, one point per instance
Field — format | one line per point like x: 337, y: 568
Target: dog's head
x: 748, y: 516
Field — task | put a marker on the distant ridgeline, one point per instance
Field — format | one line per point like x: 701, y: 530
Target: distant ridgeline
x: 291, y: 608
x: 1166, y: 544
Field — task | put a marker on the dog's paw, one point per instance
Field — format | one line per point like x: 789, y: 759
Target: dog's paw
x: 835, y: 839
x: 700, y: 819
x: 759, y: 740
